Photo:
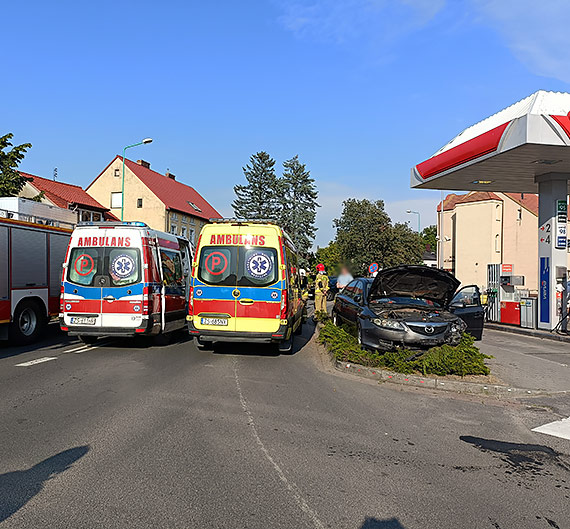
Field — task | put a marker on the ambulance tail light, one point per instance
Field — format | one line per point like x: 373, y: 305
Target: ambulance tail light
x: 284, y: 304
x: 61, y: 291
x: 191, y: 302
x: 145, y: 301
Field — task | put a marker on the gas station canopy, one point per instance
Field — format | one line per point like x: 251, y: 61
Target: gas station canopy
x: 505, y: 152
x: 524, y: 148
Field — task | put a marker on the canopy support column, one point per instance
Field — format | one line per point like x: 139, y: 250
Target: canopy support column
x: 552, y: 250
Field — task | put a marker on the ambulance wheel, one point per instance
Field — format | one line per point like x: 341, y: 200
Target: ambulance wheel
x: 28, y: 323
x: 286, y: 346
x: 88, y: 340
x: 202, y: 345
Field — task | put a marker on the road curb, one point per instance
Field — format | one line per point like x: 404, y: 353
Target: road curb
x: 527, y: 332
x: 441, y: 384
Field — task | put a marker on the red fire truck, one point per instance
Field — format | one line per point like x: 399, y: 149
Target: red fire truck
x: 33, y: 242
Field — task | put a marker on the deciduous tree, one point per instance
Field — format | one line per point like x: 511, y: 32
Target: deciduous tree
x: 11, y: 181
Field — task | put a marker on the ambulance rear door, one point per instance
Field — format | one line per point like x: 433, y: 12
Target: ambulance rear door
x: 214, y: 285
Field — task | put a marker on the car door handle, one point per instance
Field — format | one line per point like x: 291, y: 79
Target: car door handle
x: 246, y: 301
x: 109, y: 298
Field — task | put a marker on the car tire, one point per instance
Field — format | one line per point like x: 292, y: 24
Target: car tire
x: 359, y: 336
x: 286, y: 346
x: 28, y: 323
x: 335, y: 319
x: 88, y: 340
x: 203, y: 345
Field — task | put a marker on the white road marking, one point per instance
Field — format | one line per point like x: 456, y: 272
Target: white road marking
x: 559, y: 428
x: 87, y: 347
x: 291, y: 487
x: 76, y: 349
x: 36, y: 361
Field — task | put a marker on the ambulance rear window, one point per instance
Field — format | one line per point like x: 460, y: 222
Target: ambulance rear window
x: 218, y: 265
x: 120, y: 266
x: 258, y: 267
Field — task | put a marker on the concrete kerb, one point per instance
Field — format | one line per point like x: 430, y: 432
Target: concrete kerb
x: 544, y: 335
x: 442, y: 384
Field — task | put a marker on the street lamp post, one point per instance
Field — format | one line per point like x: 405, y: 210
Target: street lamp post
x: 144, y: 142
x: 418, y: 214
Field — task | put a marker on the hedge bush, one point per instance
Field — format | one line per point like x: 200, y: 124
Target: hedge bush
x: 462, y: 359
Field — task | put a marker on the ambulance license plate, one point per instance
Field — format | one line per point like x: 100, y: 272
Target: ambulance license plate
x: 213, y: 321
x: 82, y: 321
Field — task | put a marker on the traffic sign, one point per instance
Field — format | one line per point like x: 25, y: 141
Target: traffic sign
x: 373, y: 268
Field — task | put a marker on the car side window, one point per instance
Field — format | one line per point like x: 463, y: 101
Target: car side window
x: 358, y: 290
x: 469, y: 296
x: 349, y: 289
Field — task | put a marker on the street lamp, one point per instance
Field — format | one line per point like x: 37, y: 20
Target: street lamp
x: 144, y: 142
x: 418, y: 214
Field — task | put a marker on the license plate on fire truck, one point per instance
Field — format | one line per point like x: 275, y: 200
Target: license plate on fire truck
x: 213, y: 321
x: 82, y: 321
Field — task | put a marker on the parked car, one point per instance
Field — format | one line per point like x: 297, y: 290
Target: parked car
x: 412, y: 306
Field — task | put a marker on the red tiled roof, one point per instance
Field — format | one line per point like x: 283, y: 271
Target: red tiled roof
x: 61, y: 194
x: 173, y: 194
x: 526, y: 200
x: 449, y: 202
x: 478, y: 196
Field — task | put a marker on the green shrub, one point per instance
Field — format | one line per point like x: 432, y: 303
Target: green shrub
x: 321, y: 316
x: 462, y: 359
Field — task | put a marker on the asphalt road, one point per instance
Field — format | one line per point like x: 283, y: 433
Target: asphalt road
x: 131, y: 435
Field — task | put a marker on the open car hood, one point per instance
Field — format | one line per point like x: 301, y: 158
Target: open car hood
x: 414, y: 281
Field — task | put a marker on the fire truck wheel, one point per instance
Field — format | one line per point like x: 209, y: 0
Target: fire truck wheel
x: 28, y: 323
x: 88, y: 340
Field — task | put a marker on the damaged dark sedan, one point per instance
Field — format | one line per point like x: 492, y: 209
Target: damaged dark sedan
x: 410, y: 306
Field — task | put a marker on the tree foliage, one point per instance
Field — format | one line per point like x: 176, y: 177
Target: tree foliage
x: 365, y: 234
x: 11, y: 181
x: 298, y: 204
x: 330, y: 257
x: 289, y: 201
x: 429, y: 236
x: 259, y: 198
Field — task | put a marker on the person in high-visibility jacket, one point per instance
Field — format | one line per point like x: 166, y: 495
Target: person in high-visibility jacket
x: 321, y: 289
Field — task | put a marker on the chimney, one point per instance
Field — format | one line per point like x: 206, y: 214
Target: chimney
x: 170, y: 175
x: 144, y: 164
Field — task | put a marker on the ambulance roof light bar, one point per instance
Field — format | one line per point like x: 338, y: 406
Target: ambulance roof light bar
x: 109, y: 224
x: 241, y: 222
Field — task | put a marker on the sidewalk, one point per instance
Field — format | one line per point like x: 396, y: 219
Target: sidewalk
x: 535, y: 333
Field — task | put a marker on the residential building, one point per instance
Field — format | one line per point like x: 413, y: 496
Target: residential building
x: 66, y: 196
x: 481, y: 228
x: 160, y: 200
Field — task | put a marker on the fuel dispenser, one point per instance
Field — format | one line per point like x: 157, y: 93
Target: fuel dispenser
x: 562, y: 298
x: 503, y: 294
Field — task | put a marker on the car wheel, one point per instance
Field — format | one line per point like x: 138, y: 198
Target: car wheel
x: 286, y: 346
x: 28, y: 323
x: 359, y: 335
x: 335, y: 319
x: 203, y: 345
x: 88, y: 340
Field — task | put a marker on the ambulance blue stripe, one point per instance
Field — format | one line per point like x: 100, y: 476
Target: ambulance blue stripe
x: 224, y: 293
x: 91, y: 293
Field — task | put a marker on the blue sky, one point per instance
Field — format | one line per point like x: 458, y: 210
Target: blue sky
x: 361, y: 89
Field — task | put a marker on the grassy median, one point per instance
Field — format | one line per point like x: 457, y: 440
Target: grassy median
x: 463, y: 359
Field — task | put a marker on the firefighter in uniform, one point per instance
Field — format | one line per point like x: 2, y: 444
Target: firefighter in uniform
x: 321, y: 289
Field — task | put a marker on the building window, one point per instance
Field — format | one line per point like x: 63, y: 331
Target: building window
x: 191, y: 235
x: 173, y: 230
x: 174, y: 216
x: 191, y: 220
x: 96, y: 217
x: 117, y: 172
x: 116, y: 200
x: 183, y: 230
x: 139, y: 202
x: 497, y: 243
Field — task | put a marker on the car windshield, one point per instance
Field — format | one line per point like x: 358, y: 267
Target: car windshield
x: 404, y: 300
